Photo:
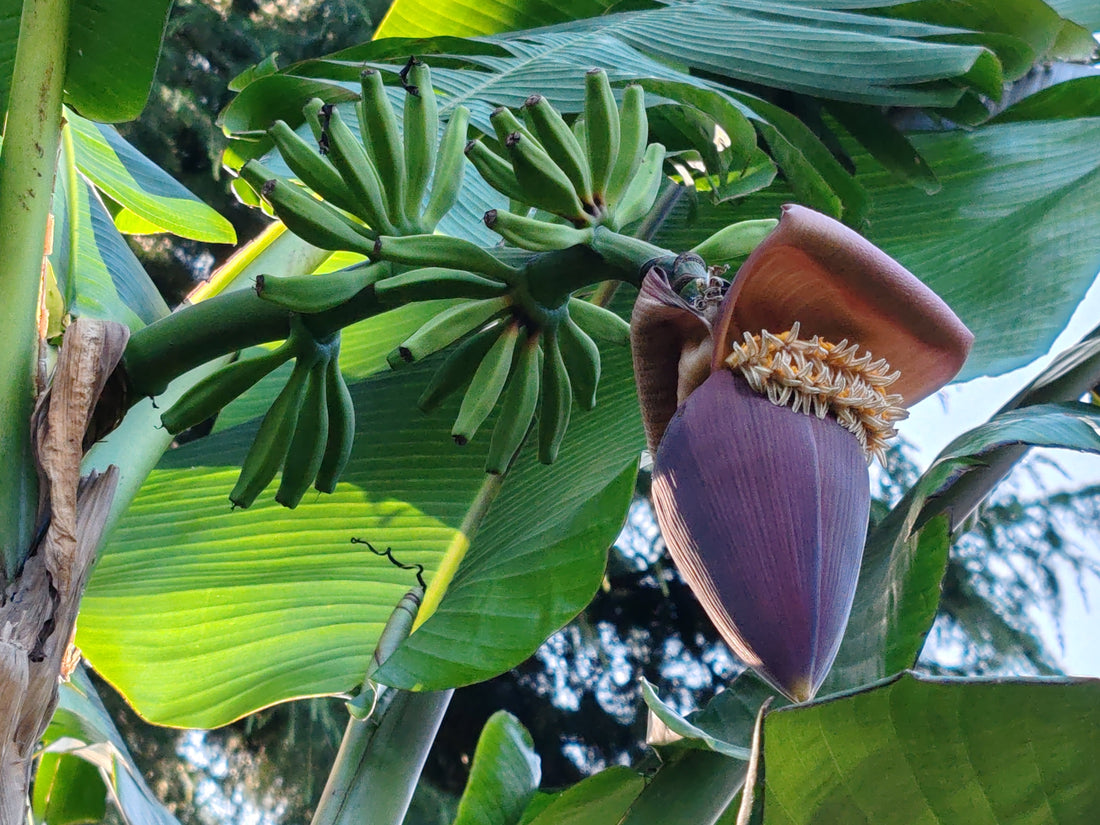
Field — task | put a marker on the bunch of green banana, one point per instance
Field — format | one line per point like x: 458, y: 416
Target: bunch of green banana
x: 307, y: 432
x: 504, y: 357
x: 603, y: 173
x: 389, y: 180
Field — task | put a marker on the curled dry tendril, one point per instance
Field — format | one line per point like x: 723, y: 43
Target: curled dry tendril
x: 388, y: 553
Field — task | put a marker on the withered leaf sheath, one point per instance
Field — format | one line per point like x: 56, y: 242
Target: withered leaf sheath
x: 763, y: 507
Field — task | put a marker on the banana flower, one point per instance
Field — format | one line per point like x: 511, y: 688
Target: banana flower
x: 763, y: 404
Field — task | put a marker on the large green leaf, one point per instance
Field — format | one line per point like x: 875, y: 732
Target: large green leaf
x: 132, y: 180
x: 793, y: 46
x: 906, y: 554
x: 810, y: 47
x: 598, y: 800
x: 68, y: 790
x: 97, y: 273
x: 1010, y: 241
x: 466, y: 18
x: 114, y: 46
x: 922, y: 751
x: 200, y: 614
x: 1084, y: 12
x: 504, y: 776
x: 84, y: 756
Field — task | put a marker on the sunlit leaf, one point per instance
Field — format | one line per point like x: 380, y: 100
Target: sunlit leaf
x: 267, y: 604
x: 97, y: 273
x: 146, y: 190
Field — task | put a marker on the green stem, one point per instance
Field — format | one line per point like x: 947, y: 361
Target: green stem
x: 161, y: 352
x: 27, y: 167
x: 631, y: 255
x: 380, y: 760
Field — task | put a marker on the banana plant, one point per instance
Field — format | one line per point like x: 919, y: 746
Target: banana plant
x: 440, y: 350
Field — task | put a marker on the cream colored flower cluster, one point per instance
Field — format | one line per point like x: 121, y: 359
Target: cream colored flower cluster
x: 819, y: 377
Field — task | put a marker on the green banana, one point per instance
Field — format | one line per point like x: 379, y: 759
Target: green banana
x: 436, y: 282
x: 560, y: 143
x: 216, y: 390
x: 517, y: 409
x: 641, y: 192
x: 449, y: 168
x: 312, y: 112
x: 311, y: 168
x: 533, y: 234
x: 316, y: 293
x: 557, y: 399
x: 459, y: 366
x: 506, y: 123
x: 380, y: 133
x: 633, y: 137
x: 602, y: 324
x: 444, y: 251
x: 495, y: 170
x: 542, y: 181
x: 601, y: 125
x: 486, y: 386
x: 446, y: 328
x: 734, y: 241
x: 312, y: 220
x: 582, y: 360
x: 307, y: 447
x: 341, y: 425
x: 421, y: 133
x: 358, y: 171
x: 272, y: 442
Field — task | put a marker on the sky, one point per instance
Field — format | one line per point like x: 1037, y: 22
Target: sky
x: 937, y: 420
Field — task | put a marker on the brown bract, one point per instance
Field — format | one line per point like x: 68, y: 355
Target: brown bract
x: 838, y: 285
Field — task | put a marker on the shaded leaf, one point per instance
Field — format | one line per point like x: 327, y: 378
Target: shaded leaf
x: 81, y: 729
x: 598, y: 800
x: 692, y: 788
x: 683, y: 728
x: 1076, y: 98
x: 1084, y: 12
x: 504, y: 776
x: 922, y: 750
x: 1017, y: 217
x: 906, y: 553
x: 114, y: 46
x: 886, y: 144
x: 68, y: 790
